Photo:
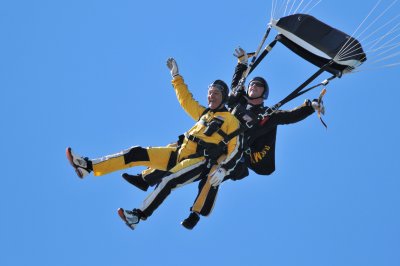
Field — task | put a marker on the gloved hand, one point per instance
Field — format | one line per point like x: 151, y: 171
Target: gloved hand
x: 217, y: 176
x: 318, y: 107
x: 241, y: 55
x: 173, y: 67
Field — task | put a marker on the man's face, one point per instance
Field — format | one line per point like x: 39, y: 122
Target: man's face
x: 255, y: 90
x: 214, y: 97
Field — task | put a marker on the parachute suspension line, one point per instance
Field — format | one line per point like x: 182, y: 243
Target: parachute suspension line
x: 285, y: 6
x: 305, y: 7
x: 298, y: 7
x: 380, y: 47
x: 289, y: 7
x: 305, y: 11
x: 391, y: 47
x: 287, y: 3
x: 390, y: 31
x: 273, y: 9
x: 374, y: 55
x: 378, y: 29
x: 279, y: 10
x: 362, y: 23
x: 366, y: 69
x: 386, y: 58
x: 290, y: 11
x: 387, y: 47
x: 346, y: 46
x: 387, y: 44
x: 373, y: 52
x: 390, y: 43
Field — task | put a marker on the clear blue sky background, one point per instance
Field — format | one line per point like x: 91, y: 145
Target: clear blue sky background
x: 92, y: 75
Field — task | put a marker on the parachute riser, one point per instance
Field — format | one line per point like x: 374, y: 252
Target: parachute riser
x: 297, y: 92
x: 253, y: 60
x: 267, y: 49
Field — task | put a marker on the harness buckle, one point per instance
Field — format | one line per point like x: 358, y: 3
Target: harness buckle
x: 225, y: 141
x: 248, y: 124
x: 261, y: 116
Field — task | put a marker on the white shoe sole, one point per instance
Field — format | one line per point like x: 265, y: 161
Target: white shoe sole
x: 123, y: 217
x: 71, y: 161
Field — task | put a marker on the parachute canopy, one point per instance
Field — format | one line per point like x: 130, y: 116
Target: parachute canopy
x: 319, y: 43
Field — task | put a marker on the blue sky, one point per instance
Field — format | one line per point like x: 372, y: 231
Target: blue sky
x: 92, y: 75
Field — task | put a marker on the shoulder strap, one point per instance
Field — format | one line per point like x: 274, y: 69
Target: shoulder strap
x: 204, y: 112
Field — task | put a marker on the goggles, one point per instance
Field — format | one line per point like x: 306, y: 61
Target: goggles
x: 217, y: 86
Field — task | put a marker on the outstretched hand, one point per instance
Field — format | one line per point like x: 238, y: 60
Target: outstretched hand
x: 173, y: 67
x: 241, y: 55
x: 318, y: 106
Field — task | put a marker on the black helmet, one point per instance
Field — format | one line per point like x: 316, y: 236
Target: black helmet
x: 220, y: 85
x: 264, y: 83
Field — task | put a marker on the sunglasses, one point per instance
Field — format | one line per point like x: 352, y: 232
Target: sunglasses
x: 256, y: 83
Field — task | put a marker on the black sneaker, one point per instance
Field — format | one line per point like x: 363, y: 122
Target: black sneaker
x: 191, y: 221
x: 136, y: 180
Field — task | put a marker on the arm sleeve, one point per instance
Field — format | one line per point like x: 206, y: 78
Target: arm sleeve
x: 236, y: 96
x: 290, y: 117
x: 185, y: 98
x: 237, y: 76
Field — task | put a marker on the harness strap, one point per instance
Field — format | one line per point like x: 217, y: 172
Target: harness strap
x: 174, y: 155
x: 195, y: 139
x: 210, y: 151
x: 296, y: 93
x: 226, y: 137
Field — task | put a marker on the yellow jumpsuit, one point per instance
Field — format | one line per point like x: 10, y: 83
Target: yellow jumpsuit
x: 186, y: 169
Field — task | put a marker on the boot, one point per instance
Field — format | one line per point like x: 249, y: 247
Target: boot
x: 136, y: 180
x: 191, y: 221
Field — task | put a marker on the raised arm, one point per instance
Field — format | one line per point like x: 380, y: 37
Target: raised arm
x: 193, y: 108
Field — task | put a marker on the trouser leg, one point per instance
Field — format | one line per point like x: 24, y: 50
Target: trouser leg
x: 206, y: 197
x: 155, y: 157
x: 154, y: 176
x: 185, y: 172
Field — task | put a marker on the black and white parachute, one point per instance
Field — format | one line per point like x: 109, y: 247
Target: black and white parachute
x: 319, y: 43
x: 328, y: 48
